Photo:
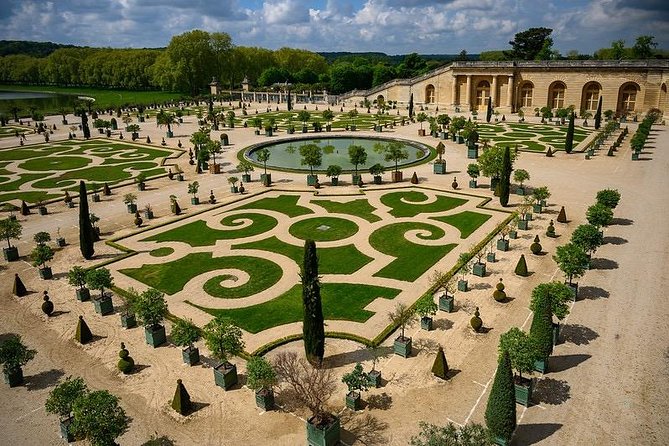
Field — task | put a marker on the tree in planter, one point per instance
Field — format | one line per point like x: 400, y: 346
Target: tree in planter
x: 192, y: 189
x: 333, y: 171
x: 376, y: 171
x: 491, y: 162
x: 13, y: 356
x: 352, y: 115
x: 261, y: 378
x: 541, y: 330
x: 559, y: 294
x: 356, y: 380
x: 402, y: 317
x: 10, y: 229
x: 150, y: 307
x: 99, y: 418
x: 263, y: 157
x: 224, y: 339
x: 357, y: 156
x: 473, y: 170
x: 505, y: 177
x: 311, y: 387
x: 588, y: 237
x: 450, y: 435
x: 609, y: 198
x: 421, y: 118
x: 441, y: 149
x: 184, y: 333
x: 40, y: 255
x: 99, y: 279
x: 246, y: 167
x: 166, y: 119
x: 520, y: 176
x: 87, y: 234
x: 540, y: 195
x: 61, y: 400
x: 213, y: 148
x: 313, y: 330
x: 500, y: 414
x: 328, y: 115
x: 425, y: 308
x: 396, y: 152
x: 140, y: 179
x: 233, y: 183
x: 599, y: 215
x: 572, y: 261
x: 465, y: 260
x: 522, y: 354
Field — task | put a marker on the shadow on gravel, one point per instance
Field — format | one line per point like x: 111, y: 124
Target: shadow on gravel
x: 592, y: 293
x: 534, y: 433
x: 614, y: 240
x: 425, y: 345
x: 578, y: 334
x: 160, y: 441
x: 621, y: 221
x: 601, y: 263
x: 566, y: 362
x: 551, y: 391
x: 381, y: 402
x: 442, y: 324
x: 366, y: 429
x: 43, y: 380
x: 355, y: 356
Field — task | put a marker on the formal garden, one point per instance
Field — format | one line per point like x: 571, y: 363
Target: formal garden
x: 534, y: 137
x: 43, y: 172
x: 242, y: 260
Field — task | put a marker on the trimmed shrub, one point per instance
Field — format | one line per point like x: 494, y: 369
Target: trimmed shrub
x: 126, y: 364
x: 500, y: 413
x: 609, y: 198
x: 47, y: 305
x: 440, y: 366
x: 562, y: 216
x: 541, y: 330
x: 521, y: 266
x: 499, y: 295
x: 19, y: 289
x: 83, y: 334
x: 181, y: 400
x: 550, y: 230
x: 536, y: 247
x: 476, y: 322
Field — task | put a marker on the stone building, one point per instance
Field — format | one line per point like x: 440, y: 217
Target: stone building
x: 628, y: 87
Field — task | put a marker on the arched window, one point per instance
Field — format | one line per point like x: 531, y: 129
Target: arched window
x: 526, y: 92
x: 556, y: 95
x: 627, y: 97
x: 591, y: 92
x: 429, y: 94
x: 482, y: 94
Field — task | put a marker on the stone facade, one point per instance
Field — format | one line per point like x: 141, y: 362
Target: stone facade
x: 627, y: 87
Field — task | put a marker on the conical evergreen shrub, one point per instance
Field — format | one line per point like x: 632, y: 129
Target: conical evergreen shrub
x: 25, y: 210
x: 536, y: 247
x: 541, y: 330
x: 562, y: 216
x: 500, y: 413
x: 19, y: 288
x: 83, y: 334
x: 521, y: 266
x: 440, y: 366
x: 476, y: 322
x: 106, y: 191
x: 125, y: 364
x: 47, y: 305
x: 549, y: 152
x: 181, y: 401
x: 414, y: 178
x: 499, y: 295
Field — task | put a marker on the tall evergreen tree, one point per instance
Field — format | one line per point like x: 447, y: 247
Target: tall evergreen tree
x: 289, y: 100
x: 598, y: 114
x: 500, y: 414
x: 411, y: 106
x: 505, y: 177
x: 541, y: 330
x: 488, y: 112
x: 313, y: 329
x: 86, y: 231
x: 569, y: 140
x: 84, y: 125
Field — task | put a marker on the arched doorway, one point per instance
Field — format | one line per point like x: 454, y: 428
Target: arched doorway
x: 590, y: 96
x: 627, y: 98
x: 380, y: 101
x: 482, y: 95
x: 430, y: 94
x: 556, y: 93
x: 526, y: 94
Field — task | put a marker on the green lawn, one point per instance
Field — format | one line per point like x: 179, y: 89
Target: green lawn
x: 198, y: 233
x: 466, y: 222
x: 323, y: 229
x: 335, y: 260
x: 533, y: 137
x: 341, y: 301
x: 408, y: 203
x: 360, y: 208
x: 412, y: 260
x: 171, y: 277
x: 162, y: 252
x: 286, y: 204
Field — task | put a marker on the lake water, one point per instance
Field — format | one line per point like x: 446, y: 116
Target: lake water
x: 43, y: 102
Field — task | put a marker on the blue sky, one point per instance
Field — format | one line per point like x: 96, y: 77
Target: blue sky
x: 390, y: 26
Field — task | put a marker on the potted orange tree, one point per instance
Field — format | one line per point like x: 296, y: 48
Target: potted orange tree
x: 261, y: 378
x: 223, y: 339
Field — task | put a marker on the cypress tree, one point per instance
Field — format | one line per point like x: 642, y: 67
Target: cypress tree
x: 313, y: 329
x: 569, y: 140
x: 440, y: 366
x: 181, y: 401
x: 598, y: 115
x: 84, y: 125
x: 290, y: 101
x: 19, y: 288
x: 505, y: 178
x: 500, y: 413
x: 488, y: 112
x: 411, y: 106
x: 541, y: 331
x: 87, y: 234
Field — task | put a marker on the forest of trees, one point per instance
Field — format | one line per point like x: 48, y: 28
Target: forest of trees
x: 191, y: 59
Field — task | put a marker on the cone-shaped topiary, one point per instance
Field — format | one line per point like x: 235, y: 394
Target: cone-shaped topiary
x: 148, y: 140
x: 541, y: 330
x: 549, y: 152
x: 47, y: 305
x: 25, y: 210
x: 562, y: 216
x: 550, y: 230
x: 138, y: 219
x: 476, y: 322
x: 83, y: 334
x: 19, y: 288
x: 181, y: 401
x: 500, y: 414
x: 521, y: 266
x: 499, y: 295
x: 440, y: 366
x: 414, y: 178
x: 125, y: 364
x: 106, y: 191
x: 536, y: 247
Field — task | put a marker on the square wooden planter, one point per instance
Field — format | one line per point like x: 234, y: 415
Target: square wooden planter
x: 374, y: 379
x: 402, y: 346
x: 266, y: 179
x: 265, y: 399
x: 355, y: 179
x: 103, y: 305
x: 215, y: 168
x: 473, y: 152
x: 462, y: 285
x: 536, y: 208
x: 324, y: 435
x: 523, y: 224
x: 65, y: 433
x: 83, y: 294
x: 541, y: 366
x: 45, y: 273
x: 155, y: 335
x: 473, y: 184
x: 225, y: 375
x: 574, y: 289
x: 353, y: 400
x: 378, y: 179
x: 490, y: 257
x: 396, y: 176
x: 128, y: 320
x: 131, y: 207
x: 190, y: 356
x: 513, y: 234
x: 311, y: 180
x: 446, y: 303
x: 426, y: 323
x: 478, y: 269
x: 194, y: 201
x: 524, y: 391
x: 502, y: 244
x: 439, y: 168
x: 14, y: 378
x: 246, y: 177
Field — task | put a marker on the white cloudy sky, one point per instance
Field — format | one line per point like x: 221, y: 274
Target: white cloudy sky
x: 390, y: 26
